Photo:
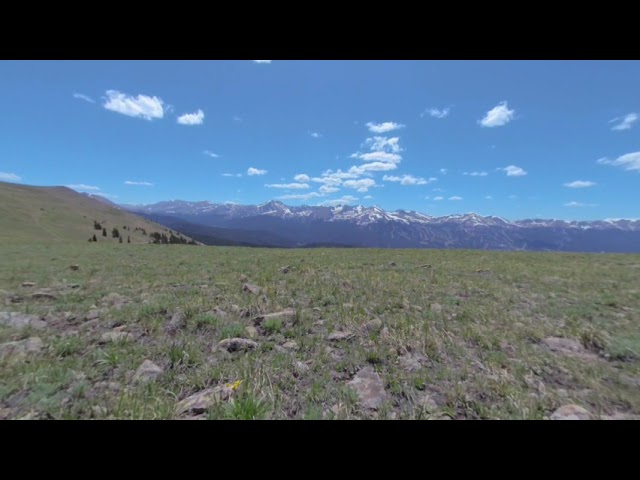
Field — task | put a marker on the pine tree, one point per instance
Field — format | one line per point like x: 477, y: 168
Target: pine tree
x: 128, y: 239
x: 115, y: 233
x: 104, y: 232
x: 120, y: 239
x: 94, y: 238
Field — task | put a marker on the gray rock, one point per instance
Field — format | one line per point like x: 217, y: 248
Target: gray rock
x: 74, y: 267
x: 250, y: 288
x: 147, y: 372
x: 571, y: 412
x: 384, y: 333
x: 369, y: 388
x: 21, y: 320
x: 283, y: 315
x: 338, y: 336
x: 177, y: 321
x: 218, y: 312
x: 93, y: 314
x: 436, y: 307
x: 426, y: 402
x: 374, y: 325
x: 28, y: 284
x: 20, y: 349
x: 566, y: 346
x: 115, y: 300
x: 44, y: 295
x: 252, y: 332
x: 301, y: 367
x: 410, y: 363
x: 237, y: 344
x: 116, y: 336
x: 286, y: 269
x: 202, y: 401
x: 290, y: 345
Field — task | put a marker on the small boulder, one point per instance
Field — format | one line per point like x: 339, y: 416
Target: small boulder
x: 283, y: 315
x: 202, y: 401
x: 571, y: 412
x: 567, y: 346
x: 147, y: 372
x: 338, y: 336
x: 369, y: 387
x: 20, y: 349
x: 115, y: 336
x: 74, y: 267
x: 252, y: 331
x: 44, y: 295
x: 21, y: 320
x: 250, y: 288
x: 290, y: 345
x: 28, y: 284
x: 286, y: 269
x: 237, y: 344
x: 374, y: 325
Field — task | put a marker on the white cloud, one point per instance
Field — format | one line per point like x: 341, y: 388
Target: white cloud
x: 82, y: 96
x: 237, y: 118
x: 329, y: 177
x: 346, y: 200
x: 383, y: 127
x: 443, y: 171
x: 436, y: 112
x: 300, y: 196
x: 255, y: 171
x: 196, y: 118
x: 382, y: 144
x: 211, y: 154
x: 580, y: 184
x: 380, y: 157
x: 488, y: 197
x: 328, y: 189
x: 367, y: 197
x: 629, y: 161
x: 372, y: 167
x: 437, y: 199
x: 315, y: 134
x: 455, y: 197
x: 361, y: 185
x: 408, y: 180
x: 290, y: 186
x: 438, y: 190
x: 83, y: 187
x: 301, y: 177
x: 144, y: 184
x: 626, y: 122
x: 231, y: 174
x: 476, y: 174
x: 263, y: 61
x: 141, y: 106
x: 513, y: 197
x: 9, y: 177
x: 578, y: 204
x: 498, y: 116
x: 513, y: 171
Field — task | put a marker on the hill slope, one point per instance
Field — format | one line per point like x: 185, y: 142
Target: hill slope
x: 58, y: 214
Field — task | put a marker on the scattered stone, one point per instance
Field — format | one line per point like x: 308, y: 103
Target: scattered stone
x: 374, y: 325
x: 74, y: 267
x: 177, y: 321
x: 250, y: 288
x: 93, y: 314
x: 286, y: 269
x: 338, y: 336
x: 21, y: 320
x: 426, y: 402
x: 28, y: 284
x: 21, y: 348
x: 202, y: 401
x: 237, y: 344
x: 301, y: 367
x: 235, y: 308
x: 369, y: 388
x: 115, y: 300
x: 98, y: 411
x: 218, y: 312
x: 147, y: 372
x: 116, y: 336
x: 284, y: 315
x: 410, y: 363
x: 10, y: 299
x: 566, y: 346
x: 417, y: 308
x: 44, y: 295
x: 392, y: 264
x: 290, y: 345
x: 571, y: 412
x: 436, y: 307
x: 252, y: 332
x: 384, y: 333
x: 112, y: 386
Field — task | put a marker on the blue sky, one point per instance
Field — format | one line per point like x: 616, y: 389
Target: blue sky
x: 519, y: 139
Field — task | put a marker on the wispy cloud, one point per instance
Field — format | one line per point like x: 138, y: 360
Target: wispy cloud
x: 144, y: 184
x: 580, y: 184
x: 362, y: 185
x: 9, y: 177
x: 408, y: 180
x: 444, y: 171
x: 367, y: 197
x: 315, y: 134
x: 326, y: 189
x: 498, y: 116
x: 384, y: 127
x: 372, y: 167
x: 455, y: 198
x: 625, y: 123
x: 82, y: 96
x: 439, y: 198
x: 629, y: 161
x: 579, y: 204
x: 382, y: 144
x: 300, y: 196
x: 211, y: 154
x: 476, y: 174
x: 488, y: 197
x: 255, y: 171
x: 290, y: 186
x: 301, y: 177
x: 380, y: 157
x: 345, y: 200
x: 513, y: 197
x: 263, y: 61
x: 83, y: 187
x: 141, y: 106
x: 196, y: 118
x: 237, y: 118
x: 436, y: 112
x: 232, y: 175
x: 514, y: 171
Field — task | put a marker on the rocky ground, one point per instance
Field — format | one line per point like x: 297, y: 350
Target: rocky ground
x: 207, y: 333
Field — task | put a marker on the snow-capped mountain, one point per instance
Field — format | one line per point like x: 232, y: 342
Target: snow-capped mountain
x: 281, y: 225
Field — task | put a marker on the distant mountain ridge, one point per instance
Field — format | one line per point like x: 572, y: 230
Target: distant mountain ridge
x: 285, y: 226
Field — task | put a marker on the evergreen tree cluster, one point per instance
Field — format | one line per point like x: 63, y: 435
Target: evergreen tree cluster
x: 162, y: 239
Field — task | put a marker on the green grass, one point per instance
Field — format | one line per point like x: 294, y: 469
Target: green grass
x: 475, y: 337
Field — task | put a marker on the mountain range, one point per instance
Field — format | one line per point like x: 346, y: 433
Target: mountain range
x: 274, y: 224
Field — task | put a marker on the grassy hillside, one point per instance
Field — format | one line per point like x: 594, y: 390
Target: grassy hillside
x: 137, y: 332
x: 61, y: 215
